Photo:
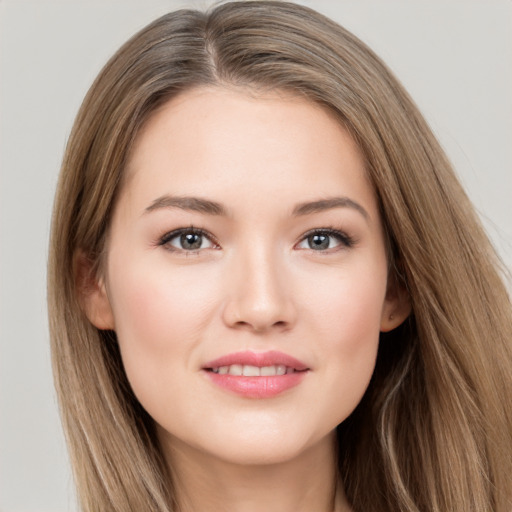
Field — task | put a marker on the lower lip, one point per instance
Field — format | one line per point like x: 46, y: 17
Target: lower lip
x: 257, y: 387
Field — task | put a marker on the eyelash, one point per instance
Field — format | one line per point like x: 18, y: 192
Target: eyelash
x: 345, y: 240
x: 165, y: 239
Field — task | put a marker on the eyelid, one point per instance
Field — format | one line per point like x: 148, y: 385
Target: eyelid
x: 345, y: 240
x: 170, y: 235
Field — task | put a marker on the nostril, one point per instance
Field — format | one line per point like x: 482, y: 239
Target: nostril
x: 261, y: 326
x: 258, y: 312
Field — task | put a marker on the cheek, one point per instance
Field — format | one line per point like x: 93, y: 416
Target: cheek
x: 347, y: 305
x: 358, y: 322
x: 346, y: 317
x: 153, y: 306
x: 159, y: 318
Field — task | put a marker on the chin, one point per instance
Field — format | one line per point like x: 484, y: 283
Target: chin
x: 252, y: 454
x: 263, y: 448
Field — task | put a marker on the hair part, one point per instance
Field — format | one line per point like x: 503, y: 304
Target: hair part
x: 432, y: 431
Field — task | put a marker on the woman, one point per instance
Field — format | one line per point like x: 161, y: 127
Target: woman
x: 267, y: 288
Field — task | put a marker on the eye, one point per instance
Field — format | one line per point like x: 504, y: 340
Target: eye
x: 187, y: 239
x: 324, y: 239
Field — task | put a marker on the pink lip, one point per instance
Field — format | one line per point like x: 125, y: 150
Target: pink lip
x: 259, y: 359
x: 257, y: 387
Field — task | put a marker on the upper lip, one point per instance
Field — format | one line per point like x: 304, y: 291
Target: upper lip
x: 259, y: 359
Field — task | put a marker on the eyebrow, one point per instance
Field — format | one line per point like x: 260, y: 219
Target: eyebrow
x: 327, y: 204
x: 206, y: 206
x: 195, y: 204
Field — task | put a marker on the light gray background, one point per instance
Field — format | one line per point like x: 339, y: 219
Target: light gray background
x: 454, y: 56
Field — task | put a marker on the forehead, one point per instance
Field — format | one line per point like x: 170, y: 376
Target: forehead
x: 210, y: 140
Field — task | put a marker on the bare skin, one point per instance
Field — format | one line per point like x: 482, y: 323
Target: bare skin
x: 204, y: 483
x: 247, y: 224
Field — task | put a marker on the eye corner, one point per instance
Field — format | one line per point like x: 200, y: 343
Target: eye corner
x: 318, y: 240
x: 195, y: 246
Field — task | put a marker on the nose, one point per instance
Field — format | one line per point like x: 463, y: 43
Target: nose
x: 259, y: 295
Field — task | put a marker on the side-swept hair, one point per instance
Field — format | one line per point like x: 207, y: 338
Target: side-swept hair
x: 434, y: 429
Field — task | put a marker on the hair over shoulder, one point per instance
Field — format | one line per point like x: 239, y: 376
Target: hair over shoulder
x: 434, y: 429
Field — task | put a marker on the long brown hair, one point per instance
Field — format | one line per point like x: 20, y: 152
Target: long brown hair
x: 434, y: 429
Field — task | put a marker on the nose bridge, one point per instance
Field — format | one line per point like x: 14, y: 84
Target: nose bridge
x: 259, y: 295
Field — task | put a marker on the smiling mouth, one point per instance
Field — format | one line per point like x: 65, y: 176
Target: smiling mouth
x: 256, y: 364
x: 247, y: 370
x: 256, y: 375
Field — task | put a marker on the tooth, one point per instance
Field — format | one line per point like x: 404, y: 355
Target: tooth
x: 281, y: 369
x: 251, y: 371
x: 235, y: 369
x: 268, y: 371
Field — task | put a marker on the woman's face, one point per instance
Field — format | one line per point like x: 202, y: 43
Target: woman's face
x: 246, y: 240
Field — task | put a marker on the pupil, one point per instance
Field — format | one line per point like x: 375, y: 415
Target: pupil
x: 318, y: 242
x: 191, y: 241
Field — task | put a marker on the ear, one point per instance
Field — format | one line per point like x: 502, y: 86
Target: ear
x: 397, y: 306
x: 92, y: 293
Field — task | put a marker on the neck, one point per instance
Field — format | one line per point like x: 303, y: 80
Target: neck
x: 205, y: 483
